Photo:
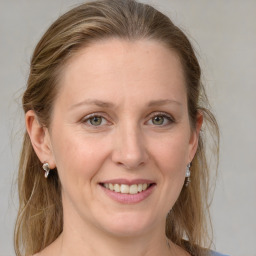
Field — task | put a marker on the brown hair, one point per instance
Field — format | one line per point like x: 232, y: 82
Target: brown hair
x: 40, y: 216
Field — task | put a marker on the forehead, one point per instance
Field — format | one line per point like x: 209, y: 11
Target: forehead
x: 121, y: 67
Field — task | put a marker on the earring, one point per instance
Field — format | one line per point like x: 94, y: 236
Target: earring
x: 46, y: 169
x: 187, y: 181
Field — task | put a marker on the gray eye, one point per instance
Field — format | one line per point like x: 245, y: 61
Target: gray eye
x: 158, y: 120
x: 96, y: 120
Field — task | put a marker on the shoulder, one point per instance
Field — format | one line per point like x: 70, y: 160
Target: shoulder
x: 217, y: 254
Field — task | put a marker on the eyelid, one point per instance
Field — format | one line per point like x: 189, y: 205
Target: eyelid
x: 150, y: 116
x: 163, y: 114
x: 95, y: 114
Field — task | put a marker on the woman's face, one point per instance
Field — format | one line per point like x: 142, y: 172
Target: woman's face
x: 120, y: 136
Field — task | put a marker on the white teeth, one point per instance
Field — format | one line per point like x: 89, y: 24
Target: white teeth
x: 117, y: 188
x: 133, y: 189
x: 126, y: 189
x: 111, y: 187
x: 144, y: 186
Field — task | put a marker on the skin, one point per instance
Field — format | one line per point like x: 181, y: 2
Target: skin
x: 129, y: 143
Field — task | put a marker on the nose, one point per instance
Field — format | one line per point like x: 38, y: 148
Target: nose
x: 129, y: 148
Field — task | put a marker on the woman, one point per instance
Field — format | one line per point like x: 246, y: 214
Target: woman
x: 113, y: 161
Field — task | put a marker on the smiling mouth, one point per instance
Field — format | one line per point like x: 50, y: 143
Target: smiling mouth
x: 127, y: 189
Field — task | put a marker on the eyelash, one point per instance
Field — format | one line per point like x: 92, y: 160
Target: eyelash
x: 169, y: 118
x: 88, y: 117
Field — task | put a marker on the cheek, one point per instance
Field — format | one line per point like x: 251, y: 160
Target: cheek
x: 172, y: 153
x: 78, y: 158
x: 170, y: 157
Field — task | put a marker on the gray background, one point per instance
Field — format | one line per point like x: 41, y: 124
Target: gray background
x: 224, y: 34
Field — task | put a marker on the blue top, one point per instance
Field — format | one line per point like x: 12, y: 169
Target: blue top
x: 217, y: 254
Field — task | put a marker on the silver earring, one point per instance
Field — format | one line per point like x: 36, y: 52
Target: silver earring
x: 187, y: 181
x: 46, y: 169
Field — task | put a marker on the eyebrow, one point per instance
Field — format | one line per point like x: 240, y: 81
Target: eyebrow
x: 95, y: 102
x: 154, y: 103
x: 105, y: 104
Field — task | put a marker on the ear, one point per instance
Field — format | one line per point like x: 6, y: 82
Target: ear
x: 195, y: 137
x: 40, y: 139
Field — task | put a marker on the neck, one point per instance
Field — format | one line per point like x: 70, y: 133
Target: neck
x: 113, y: 247
x: 93, y: 243
x: 85, y: 240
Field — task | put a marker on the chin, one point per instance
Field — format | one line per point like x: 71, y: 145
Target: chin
x: 128, y: 224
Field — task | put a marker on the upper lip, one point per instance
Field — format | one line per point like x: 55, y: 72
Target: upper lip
x: 127, y: 181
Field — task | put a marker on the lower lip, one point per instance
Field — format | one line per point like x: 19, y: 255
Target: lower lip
x: 129, y: 198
